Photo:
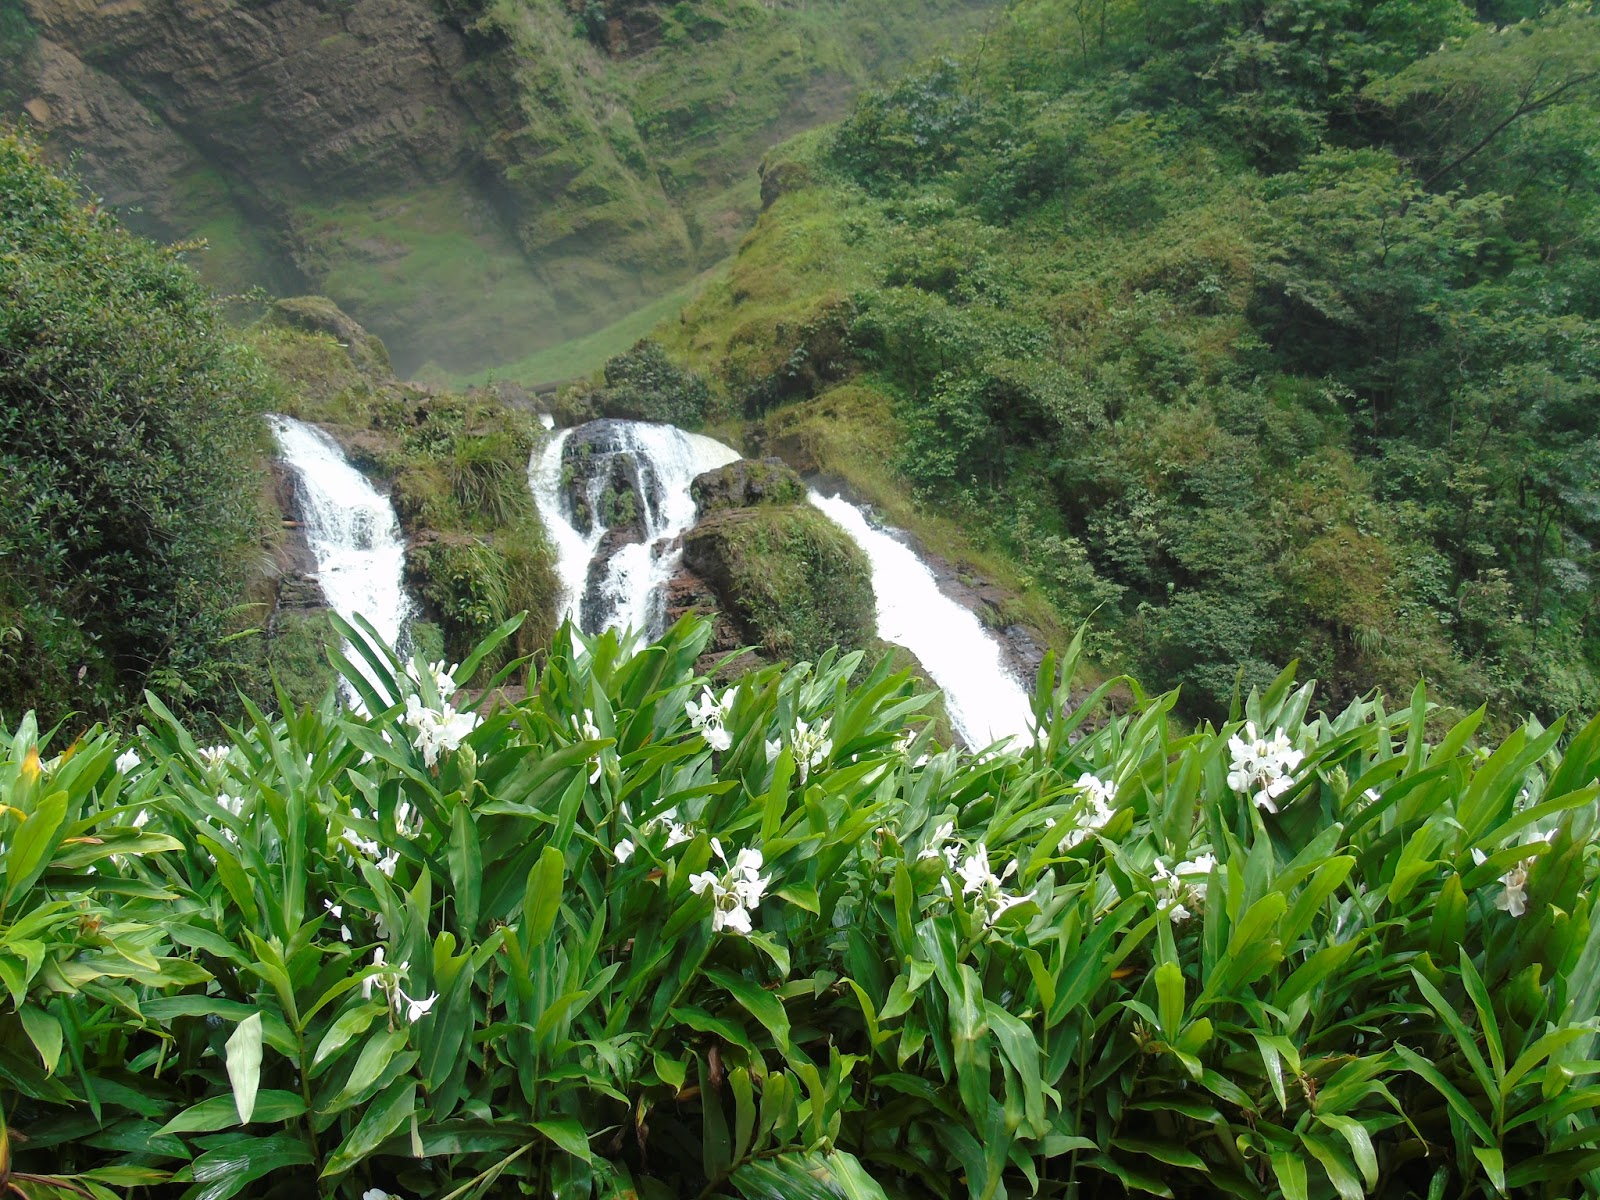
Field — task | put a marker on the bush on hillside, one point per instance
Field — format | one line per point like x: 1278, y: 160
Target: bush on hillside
x: 643, y: 384
x: 627, y: 937
x: 130, y: 474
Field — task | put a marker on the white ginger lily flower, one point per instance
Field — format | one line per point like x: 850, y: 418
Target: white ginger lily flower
x: 127, y: 761
x: 1262, y: 766
x: 709, y: 717
x: 1101, y: 795
x: 372, y: 981
x: 436, y: 730
x: 444, y: 678
x: 667, y: 819
x: 1513, y: 897
x: 936, y: 845
x: 590, y: 732
x: 415, y: 1010
x: 734, y: 892
x: 991, y: 900
x: 624, y: 850
x: 1184, y: 884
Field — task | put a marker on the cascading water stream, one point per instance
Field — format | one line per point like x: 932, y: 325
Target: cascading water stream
x: 657, y: 464
x: 350, y: 528
x: 984, y: 700
x: 660, y: 462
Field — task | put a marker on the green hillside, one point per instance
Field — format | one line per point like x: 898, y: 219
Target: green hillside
x: 1259, y: 332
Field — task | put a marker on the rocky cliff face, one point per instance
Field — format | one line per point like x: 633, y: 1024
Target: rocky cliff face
x: 470, y: 180
x: 377, y: 144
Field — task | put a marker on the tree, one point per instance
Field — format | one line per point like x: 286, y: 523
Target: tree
x: 130, y: 471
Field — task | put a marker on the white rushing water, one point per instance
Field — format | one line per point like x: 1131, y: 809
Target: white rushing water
x: 662, y: 461
x: 984, y: 699
x: 985, y: 702
x: 350, y: 527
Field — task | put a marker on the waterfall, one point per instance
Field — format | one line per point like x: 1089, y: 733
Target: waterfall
x: 606, y: 585
x: 350, y: 527
x: 984, y: 699
x: 657, y: 463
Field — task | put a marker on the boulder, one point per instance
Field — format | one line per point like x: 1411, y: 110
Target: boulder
x: 744, y: 483
x: 791, y: 581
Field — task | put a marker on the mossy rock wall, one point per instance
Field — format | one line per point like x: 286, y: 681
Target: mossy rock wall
x: 792, y: 580
x: 455, y: 466
x: 749, y: 481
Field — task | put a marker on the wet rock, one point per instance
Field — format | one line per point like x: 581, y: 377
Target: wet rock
x: 294, y: 566
x: 792, y: 581
x: 747, y: 482
x: 686, y: 592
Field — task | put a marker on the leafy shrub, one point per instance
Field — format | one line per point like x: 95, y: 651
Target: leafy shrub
x: 643, y: 384
x: 472, y: 584
x: 907, y: 132
x: 444, y: 952
x: 130, y: 464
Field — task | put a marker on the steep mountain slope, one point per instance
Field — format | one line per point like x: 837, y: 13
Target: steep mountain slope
x: 1258, y: 334
x: 472, y: 180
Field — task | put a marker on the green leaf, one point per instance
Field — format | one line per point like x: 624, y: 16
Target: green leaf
x: 244, y: 1065
x: 542, y: 901
x: 29, y: 853
x: 1169, y: 998
x: 44, y: 1031
x: 225, y: 1171
x: 466, y: 868
x: 1360, y: 1141
x: 1458, y: 1103
x: 673, y: 1072
x: 852, y: 1178
x: 1170, y: 1153
x: 1290, y: 1169
x: 388, y: 1111
x: 758, y: 1002
x: 1342, y: 1177
x: 1494, y: 1165
x: 351, y: 1024
x: 374, y: 1057
x: 567, y: 1133
x: 221, y: 1112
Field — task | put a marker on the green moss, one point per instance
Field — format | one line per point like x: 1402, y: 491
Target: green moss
x: 297, y: 655
x: 791, y: 579
x: 747, y: 482
x: 472, y: 584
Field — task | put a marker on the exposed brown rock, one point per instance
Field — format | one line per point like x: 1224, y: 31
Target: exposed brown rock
x: 745, y: 482
x: 293, y: 572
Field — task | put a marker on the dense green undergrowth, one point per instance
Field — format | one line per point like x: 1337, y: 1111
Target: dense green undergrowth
x: 627, y: 938
x: 1262, y: 333
x: 131, y: 470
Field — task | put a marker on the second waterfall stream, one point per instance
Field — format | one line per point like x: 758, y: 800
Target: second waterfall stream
x: 624, y: 587
x: 350, y: 528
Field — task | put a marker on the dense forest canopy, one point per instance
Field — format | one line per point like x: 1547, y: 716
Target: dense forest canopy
x: 1260, y: 331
